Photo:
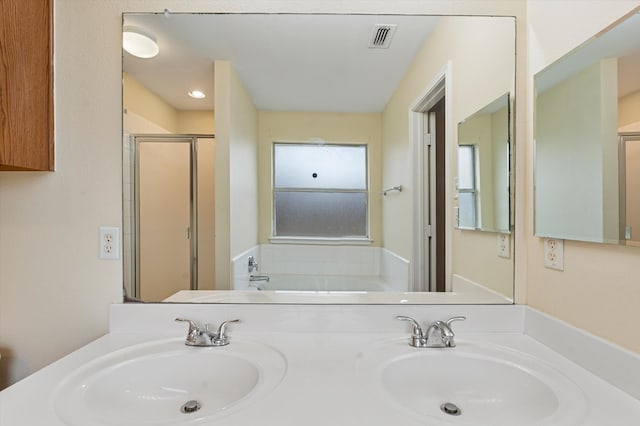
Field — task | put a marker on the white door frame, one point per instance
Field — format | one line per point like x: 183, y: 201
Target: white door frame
x: 421, y: 271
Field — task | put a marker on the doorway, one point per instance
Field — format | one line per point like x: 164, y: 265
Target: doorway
x: 429, y: 123
x: 173, y: 203
x: 436, y: 118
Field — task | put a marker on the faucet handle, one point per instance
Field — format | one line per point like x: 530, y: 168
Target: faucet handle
x: 418, y: 337
x: 417, y: 330
x: 221, y: 338
x: 449, y: 336
x: 252, y: 264
x: 453, y: 319
x: 193, y: 332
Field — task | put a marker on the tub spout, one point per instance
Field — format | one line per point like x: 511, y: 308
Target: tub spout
x: 253, y: 278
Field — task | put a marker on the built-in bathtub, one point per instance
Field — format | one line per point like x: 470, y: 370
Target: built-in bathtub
x: 300, y: 282
x: 301, y: 267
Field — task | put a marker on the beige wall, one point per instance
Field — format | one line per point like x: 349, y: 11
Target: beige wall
x: 236, y: 173
x: 629, y: 110
x: 448, y: 46
x: 598, y: 290
x: 328, y: 127
x: 476, y: 260
x: 143, y: 102
x: 195, y: 122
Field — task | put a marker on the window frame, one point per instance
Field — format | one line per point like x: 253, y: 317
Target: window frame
x: 356, y: 239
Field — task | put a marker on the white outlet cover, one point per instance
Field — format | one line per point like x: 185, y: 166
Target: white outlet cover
x: 109, y: 243
x: 554, y: 254
x: 504, y: 245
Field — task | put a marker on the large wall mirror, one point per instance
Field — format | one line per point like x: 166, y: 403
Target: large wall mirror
x: 587, y: 135
x: 310, y: 158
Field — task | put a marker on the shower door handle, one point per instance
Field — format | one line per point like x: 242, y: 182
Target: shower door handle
x: 188, y: 232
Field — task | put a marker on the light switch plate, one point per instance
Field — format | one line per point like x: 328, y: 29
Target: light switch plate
x: 554, y: 254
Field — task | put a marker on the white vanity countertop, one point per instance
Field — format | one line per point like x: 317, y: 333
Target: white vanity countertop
x: 336, y: 297
x: 325, y: 382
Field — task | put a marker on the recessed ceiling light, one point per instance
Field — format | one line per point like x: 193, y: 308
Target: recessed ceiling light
x: 139, y: 44
x: 197, y: 94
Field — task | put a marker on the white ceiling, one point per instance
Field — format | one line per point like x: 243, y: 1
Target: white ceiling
x: 287, y: 62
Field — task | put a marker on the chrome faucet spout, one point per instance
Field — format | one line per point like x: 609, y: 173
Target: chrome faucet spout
x: 438, y: 335
x: 201, y: 336
x: 254, y: 278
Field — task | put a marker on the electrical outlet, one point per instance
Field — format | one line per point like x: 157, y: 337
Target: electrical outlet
x: 504, y: 246
x: 109, y: 243
x: 554, y: 254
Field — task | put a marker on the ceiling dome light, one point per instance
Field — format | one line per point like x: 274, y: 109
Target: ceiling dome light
x: 197, y: 94
x: 139, y: 44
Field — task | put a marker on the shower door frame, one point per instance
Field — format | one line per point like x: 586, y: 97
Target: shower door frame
x: 192, y: 235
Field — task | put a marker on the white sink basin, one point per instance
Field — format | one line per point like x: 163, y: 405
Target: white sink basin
x: 481, y: 384
x: 148, y: 384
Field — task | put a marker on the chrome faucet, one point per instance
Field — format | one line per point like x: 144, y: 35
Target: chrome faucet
x: 252, y: 264
x: 201, y: 336
x: 438, y: 335
x: 253, y: 279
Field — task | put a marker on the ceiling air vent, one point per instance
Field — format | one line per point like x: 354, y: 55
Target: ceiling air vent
x: 381, y: 36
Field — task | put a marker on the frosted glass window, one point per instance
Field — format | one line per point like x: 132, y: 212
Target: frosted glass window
x: 467, y: 190
x: 466, y: 169
x: 321, y: 214
x: 466, y: 210
x: 320, y: 166
x: 320, y: 191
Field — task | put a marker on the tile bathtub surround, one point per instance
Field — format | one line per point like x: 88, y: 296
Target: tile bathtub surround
x: 316, y: 259
x: 394, y: 270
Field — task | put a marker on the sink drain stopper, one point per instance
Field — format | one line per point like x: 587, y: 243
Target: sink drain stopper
x: 190, y: 407
x: 450, y: 409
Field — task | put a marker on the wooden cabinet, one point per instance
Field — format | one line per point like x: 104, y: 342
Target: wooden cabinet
x: 26, y: 85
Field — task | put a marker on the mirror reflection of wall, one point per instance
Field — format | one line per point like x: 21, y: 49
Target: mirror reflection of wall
x: 483, y: 168
x: 585, y: 102
x: 344, y: 93
x: 159, y: 223
x: 630, y: 187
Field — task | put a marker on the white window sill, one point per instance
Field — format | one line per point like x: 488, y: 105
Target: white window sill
x: 321, y: 241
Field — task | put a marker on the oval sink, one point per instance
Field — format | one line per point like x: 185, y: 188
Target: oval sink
x: 167, y: 382
x: 479, y: 385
